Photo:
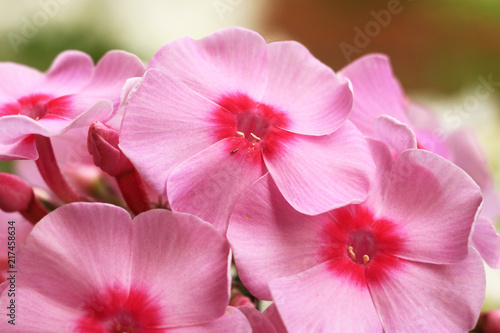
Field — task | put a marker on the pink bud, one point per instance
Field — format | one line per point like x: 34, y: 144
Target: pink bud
x: 102, y: 144
x: 238, y: 299
x: 492, y: 322
x: 17, y: 196
x: 15, y: 193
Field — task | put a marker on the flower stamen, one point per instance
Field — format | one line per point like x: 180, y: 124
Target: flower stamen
x: 255, y: 137
x: 352, y: 255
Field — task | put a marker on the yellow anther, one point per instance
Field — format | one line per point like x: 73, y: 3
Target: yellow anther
x: 351, y: 253
x: 366, y: 259
x: 241, y: 134
x: 37, y: 118
x: 255, y: 137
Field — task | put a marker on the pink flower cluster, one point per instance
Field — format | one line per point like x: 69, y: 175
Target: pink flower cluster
x: 179, y: 196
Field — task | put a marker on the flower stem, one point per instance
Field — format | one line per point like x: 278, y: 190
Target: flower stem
x: 49, y: 169
x: 35, y: 212
x: 133, y: 191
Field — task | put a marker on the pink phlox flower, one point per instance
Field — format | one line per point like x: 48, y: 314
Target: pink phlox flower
x: 378, y: 265
x: 72, y: 93
x: 383, y: 112
x: 212, y: 116
x: 88, y: 267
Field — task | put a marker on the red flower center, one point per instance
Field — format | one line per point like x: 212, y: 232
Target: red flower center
x: 116, y: 310
x: 254, y: 127
x: 361, y: 246
x: 357, y: 245
x: 38, y: 106
x: 34, y: 106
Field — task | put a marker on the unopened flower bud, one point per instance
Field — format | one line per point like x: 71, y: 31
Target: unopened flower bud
x: 102, y: 144
x: 17, y: 196
x: 238, y: 299
x: 492, y: 322
x: 15, y: 193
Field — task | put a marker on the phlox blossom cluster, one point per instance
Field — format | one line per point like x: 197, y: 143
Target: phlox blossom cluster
x: 229, y: 173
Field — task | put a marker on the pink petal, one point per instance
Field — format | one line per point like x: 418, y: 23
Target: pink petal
x: 432, y: 298
x: 274, y: 317
x: 129, y: 86
x: 110, y: 75
x: 395, y: 134
x: 269, y: 238
x: 257, y: 320
x: 317, y: 174
x: 422, y: 117
x: 468, y: 154
x: 17, y: 80
x: 315, y: 99
x: 37, y: 313
x: 376, y: 91
x: 317, y: 300
x: 23, y: 149
x: 70, y: 71
x: 209, y: 183
x: 427, y: 198
x: 487, y: 241
x: 72, y: 241
x: 232, y: 60
x: 15, y: 143
x: 166, y: 119
x: 233, y: 321
x: 384, y: 161
x: 183, y: 261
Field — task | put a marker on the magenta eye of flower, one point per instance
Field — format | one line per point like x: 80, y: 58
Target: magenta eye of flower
x: 117, y: 310
x: 252, y: 126
x: 241, y: 116
x: 361, y: 246
x: 34, y: 106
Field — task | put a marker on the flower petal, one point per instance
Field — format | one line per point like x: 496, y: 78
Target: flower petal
x: 232, y: 60
x: 257, y: 320
x: 17, y: 80
x: 433, y: 203
x: 85, y: 252
x: 487, y: 241
x: 274, y: 317
x: 25, y: 148
x: 431, y: 298
x: 110, y: 75
x: 165, y: 123
x: 69, y: 73
x: 395, y: 134
x: 209, y: 183
x: 40, y: 313
x: 269, y: 238
x: 376, y: 91
x: 316, y: 101
x: 183, y: 261
x: 468, y: 154
x: 232, y: 321
x: 317, y: 174
x: 317, y: 300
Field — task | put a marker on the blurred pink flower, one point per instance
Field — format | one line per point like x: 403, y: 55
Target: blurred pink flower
x: 212, y: 116
x: 89, y: 267
x: 382, y: 112
x: 398, y: 262
x: 72, y: 93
